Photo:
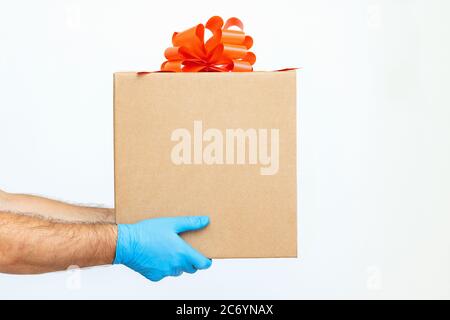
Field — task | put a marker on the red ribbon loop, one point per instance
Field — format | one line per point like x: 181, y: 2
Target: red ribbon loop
x: 226, y: 50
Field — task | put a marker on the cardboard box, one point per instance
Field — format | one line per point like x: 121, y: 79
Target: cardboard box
x: 217, y: 144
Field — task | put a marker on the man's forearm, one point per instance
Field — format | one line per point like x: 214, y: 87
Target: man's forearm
x: 53, y: 209
x: 34, y: 245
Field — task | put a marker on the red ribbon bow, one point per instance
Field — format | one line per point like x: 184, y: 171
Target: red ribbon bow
x: 226, y: 50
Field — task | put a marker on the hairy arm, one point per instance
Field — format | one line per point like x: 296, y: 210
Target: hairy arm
x: 33, y: 239
x: 34, y: 245
x: 53, y: 209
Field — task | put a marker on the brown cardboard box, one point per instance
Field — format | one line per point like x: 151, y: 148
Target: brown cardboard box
x: 179, y: 151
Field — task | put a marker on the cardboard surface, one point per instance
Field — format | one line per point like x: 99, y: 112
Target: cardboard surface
x: 177, y: 152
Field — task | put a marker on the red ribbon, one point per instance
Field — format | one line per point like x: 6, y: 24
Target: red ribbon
x: 226, y: 50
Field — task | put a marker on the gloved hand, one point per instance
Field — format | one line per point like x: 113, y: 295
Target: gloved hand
x: 154, y: 249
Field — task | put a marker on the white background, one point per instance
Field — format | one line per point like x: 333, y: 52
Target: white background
x: 374, y: 211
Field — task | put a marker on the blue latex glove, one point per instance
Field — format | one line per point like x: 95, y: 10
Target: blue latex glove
x: 154, y: 249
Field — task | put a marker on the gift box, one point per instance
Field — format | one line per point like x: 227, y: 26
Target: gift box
x: 221, y: 144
